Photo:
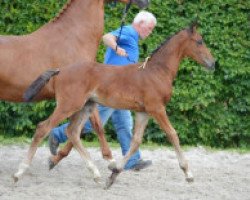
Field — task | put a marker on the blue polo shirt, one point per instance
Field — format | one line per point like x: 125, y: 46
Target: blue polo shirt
x: 129, y: 41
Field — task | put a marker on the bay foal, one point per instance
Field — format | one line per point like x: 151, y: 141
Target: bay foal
x: 78, y: 88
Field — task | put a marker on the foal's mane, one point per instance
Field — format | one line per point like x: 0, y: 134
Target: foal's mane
x: 165, y: 42
x: 63, y: 10
x: 161, y: 45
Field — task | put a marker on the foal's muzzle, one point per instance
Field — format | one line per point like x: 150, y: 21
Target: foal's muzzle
x: 210, y: 64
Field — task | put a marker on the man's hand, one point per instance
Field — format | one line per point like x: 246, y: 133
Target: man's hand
x: 120, y: 51
x: 110, y: 41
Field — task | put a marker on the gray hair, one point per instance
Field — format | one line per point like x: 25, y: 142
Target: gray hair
x: 144, y: 16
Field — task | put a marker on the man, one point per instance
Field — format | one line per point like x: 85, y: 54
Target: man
x: 122, y: 49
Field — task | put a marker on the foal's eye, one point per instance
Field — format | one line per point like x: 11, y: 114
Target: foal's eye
x: 199, y: 42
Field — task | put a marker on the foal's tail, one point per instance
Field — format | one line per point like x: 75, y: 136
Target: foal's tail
x: 38, y: 84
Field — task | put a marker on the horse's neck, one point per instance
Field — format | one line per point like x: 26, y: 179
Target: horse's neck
x: 166, y: 62
x: 76, y: 17
x: 123, y: 1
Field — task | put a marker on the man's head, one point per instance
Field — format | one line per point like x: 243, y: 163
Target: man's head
x: 144, y: 23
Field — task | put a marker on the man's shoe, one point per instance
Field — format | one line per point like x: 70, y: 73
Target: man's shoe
x: 53, y: 144
x: 141, y: 164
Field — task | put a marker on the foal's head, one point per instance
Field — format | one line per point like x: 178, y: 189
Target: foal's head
x: 196, y: 48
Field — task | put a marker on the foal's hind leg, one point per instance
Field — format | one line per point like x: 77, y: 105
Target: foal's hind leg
x: 165, y: 124
x: 97, y: 126
x: 62, y: 153
x: 42, y: 131
x: 73, y: 132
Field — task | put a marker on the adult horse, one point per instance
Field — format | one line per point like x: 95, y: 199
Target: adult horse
x: 145, y: 90
x: 72, y: 36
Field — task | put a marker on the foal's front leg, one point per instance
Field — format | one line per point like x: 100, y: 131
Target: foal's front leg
x: 162, y: 119
x: 141, y: 120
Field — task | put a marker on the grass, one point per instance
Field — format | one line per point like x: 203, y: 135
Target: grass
x: 14, y: 140
x: 23, y: 141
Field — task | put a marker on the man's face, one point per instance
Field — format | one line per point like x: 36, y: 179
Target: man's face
x: 145, y: 29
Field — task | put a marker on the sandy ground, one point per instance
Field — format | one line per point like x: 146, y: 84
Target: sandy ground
x: 218, y: 176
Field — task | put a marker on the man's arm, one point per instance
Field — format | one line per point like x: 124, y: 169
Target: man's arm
x: 110, y: 41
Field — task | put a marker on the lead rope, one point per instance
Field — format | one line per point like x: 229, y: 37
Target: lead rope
x: 144, y: 63
x: 125, y: 12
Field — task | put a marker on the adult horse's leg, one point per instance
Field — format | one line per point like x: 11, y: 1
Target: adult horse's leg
x: 141, y: 120
x: 42, y: 131
x: 73, y: 132
x: 97, y: 126
x: 165, y: 124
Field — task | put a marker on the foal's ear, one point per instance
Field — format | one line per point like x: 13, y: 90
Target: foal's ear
x: 193, y: 26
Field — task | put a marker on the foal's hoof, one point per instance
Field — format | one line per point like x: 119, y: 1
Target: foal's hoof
x: 51, y: 164
x: 111, y: 180
x: 113, y: 167
x: 107, y: 155
x: 98, y: 180
x: 15, y: 178
x: 190, y: 179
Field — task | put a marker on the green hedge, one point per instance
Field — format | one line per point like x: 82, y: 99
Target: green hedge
x: 206, y: 108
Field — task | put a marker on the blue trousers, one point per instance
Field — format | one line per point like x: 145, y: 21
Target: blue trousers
x: 123, y: 124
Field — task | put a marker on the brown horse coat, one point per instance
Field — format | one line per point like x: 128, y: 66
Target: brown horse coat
x: 71, y: 37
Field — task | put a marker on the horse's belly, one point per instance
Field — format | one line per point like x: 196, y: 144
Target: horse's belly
x: 10, y: 93
x: 121, y: 103
x: 14, y: 90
